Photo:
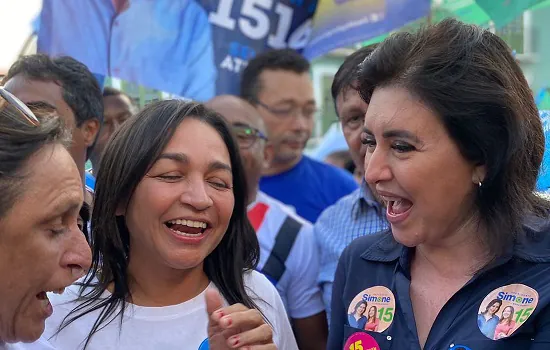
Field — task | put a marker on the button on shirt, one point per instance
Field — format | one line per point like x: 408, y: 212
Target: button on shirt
x: 353, y: 216
x: 378, y: 260
x: 162, y: 44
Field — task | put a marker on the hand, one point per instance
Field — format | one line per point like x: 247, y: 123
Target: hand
x: 236, y: 326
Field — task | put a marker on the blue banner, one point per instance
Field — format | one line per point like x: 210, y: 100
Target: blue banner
x: 543, y: 182
x: 243, y: 28
x: 340, y: 23
x: 197, y: 49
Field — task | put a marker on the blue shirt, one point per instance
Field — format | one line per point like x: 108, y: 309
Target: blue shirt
x: 353, y: 216
x: 90, y: 182
x: 360, y: 323
x: 487, y: 327
x: 378, y: 260
x: 161, y: 44
x: 310, y: 187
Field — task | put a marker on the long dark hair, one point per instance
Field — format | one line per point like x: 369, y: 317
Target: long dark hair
x: 490, y: 305
x: 128, y: 156
x: 470, y: 79
x: 362, y: 302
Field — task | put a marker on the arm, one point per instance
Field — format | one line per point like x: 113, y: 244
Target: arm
x: 201, y: 82
x: 338, y: 316
x: 323, y: 233
x: 311, y: 332
x: 304, y: 295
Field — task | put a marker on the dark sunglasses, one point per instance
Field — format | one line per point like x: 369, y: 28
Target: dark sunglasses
x: 23, y: 110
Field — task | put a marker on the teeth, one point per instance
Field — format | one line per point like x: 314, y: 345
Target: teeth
x: 57, y: 291
x: 186, y: 234
x: 189, y: 223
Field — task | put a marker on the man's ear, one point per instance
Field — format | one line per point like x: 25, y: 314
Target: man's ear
x: 90, y: 130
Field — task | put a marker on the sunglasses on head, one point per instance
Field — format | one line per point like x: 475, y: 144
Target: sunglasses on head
x: 23, y: 111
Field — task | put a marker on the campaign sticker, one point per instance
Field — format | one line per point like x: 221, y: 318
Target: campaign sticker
x: 361, y: 341
x: 204, y: 345
x: 505, y: 309
x: 372, y: 310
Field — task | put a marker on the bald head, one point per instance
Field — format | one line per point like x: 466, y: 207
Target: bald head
x: 236, y: 111
x: 254, y: 151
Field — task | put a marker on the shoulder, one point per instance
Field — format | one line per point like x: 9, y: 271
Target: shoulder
x: 276, y: 206
x: 534, y: 244
x: 259, y: 286
x: 328, y: 170
x: 378, y: 247
x: 265, y: 295
x: 344, y: 204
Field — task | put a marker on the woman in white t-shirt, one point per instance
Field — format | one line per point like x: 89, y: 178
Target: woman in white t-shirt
x: 173, y: 252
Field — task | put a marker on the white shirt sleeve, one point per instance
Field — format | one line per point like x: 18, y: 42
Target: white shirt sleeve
x: 40, y: 344
x: 304, y: 296
x: 272, y: 308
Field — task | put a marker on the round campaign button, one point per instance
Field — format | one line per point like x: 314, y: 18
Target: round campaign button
x: 204, y: 345
x: 505, y: 309
x: 361, y: 341
x: 372, y: 310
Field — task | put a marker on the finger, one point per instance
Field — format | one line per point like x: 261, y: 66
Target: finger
x: 262, y: 347
x: 213, y: 301
x: 242, y: 321
x: 261, y: 335
x: 227, y: 311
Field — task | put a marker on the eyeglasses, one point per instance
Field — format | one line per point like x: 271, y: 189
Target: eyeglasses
x: 24, y: 112
x: 247, y: 135
x: 290, y: 111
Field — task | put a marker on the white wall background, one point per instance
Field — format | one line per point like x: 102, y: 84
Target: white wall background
x: 15, y: 28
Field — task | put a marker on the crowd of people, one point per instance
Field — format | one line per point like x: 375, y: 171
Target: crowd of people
x: 205, y: 226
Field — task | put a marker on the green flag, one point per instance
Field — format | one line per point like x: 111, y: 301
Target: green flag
x: 503, y: 12
x: 466, y: 11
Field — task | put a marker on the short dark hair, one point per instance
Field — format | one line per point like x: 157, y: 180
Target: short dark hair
x: 111, y: 91
x: 19, y: 141
x: 346, y: 76
x: 470, y: 79
x: 145, y: 136
x: 81, y: 89
x: 283, y: 59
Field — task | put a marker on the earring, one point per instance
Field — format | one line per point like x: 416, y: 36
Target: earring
x: 479, y: 183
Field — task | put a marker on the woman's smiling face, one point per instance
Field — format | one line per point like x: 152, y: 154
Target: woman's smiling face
x: 182, y: 207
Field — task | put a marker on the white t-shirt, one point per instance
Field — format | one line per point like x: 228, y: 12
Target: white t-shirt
x: 288, y: 255
x: 182, y: 326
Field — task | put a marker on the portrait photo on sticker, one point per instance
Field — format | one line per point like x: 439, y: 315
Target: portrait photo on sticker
x: 505, y: 309
x: 361, y: 341
x: 372, y: 310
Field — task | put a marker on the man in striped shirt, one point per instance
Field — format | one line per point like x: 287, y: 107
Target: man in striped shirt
x: 358, y: 213
x: 288, y: 257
